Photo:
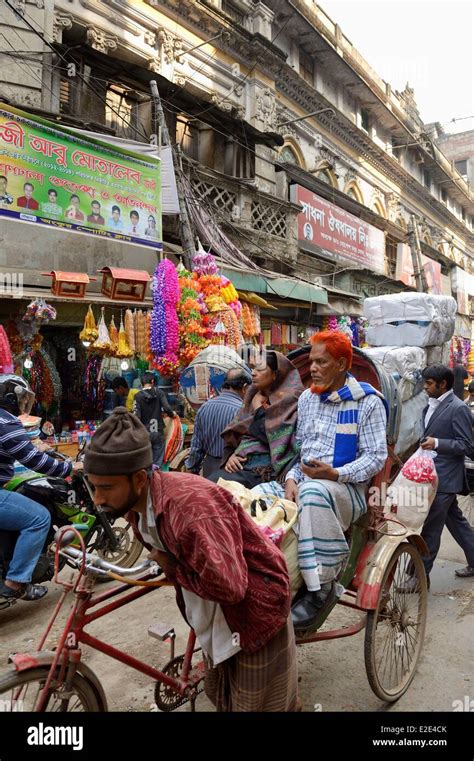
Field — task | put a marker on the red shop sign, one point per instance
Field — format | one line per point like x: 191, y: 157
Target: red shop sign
x: 323, y: 225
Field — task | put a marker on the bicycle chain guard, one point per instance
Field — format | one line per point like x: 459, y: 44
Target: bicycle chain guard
x: 166, y: 698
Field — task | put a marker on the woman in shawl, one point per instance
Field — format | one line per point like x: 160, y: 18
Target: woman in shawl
x: 259, y: 445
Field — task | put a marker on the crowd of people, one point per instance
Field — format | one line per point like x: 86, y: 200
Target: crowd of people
x: 318, y: 447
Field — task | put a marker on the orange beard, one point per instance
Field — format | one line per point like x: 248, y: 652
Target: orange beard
x: 318, y: 389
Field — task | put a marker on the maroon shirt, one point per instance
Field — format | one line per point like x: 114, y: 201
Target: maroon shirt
x: 221, y: 555
x: 27, y: 203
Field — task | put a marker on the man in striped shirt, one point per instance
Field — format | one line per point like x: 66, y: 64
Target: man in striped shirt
x: 207, y: 446
x: 18, y: 513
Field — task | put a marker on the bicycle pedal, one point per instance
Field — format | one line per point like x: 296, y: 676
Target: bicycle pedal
x: 161, y: 631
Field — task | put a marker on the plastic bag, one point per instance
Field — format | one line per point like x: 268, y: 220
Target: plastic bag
x: 410, y: 496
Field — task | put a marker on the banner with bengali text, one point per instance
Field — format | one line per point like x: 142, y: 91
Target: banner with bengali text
x: 52, y: 176
x: 346, y: 238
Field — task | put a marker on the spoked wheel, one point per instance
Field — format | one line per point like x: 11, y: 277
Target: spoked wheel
x: 396, y: 628
x: 20, y: 691
x: 129, y: 549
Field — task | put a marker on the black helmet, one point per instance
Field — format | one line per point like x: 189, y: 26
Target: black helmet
x: 16, y: 395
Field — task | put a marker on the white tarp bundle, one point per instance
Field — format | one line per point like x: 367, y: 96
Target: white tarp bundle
x: 404, y: 363
x: 410, y: 319
x: 411, y: 423
x: 399, y: 360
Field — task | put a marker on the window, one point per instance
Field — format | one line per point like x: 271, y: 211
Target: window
x: 235, y: 13
x: 364, y: 119
x: 306, y: 67
x: 239, y: 161
x: 65, y: 96
x: 463, y: 214
x: 444, y: 196
x: 391, y: 255
x: 426, y: 179
x: 121, y: 112
x: 288, y: 156
x: 187, y: 137
x: 461, y: 167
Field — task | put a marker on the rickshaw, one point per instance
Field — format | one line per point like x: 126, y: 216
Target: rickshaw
x: 383, y: 555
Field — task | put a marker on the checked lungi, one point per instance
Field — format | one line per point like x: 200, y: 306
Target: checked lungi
x: 326, y: 510
x: 263, y: 681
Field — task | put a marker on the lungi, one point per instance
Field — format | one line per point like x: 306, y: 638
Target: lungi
x: 263, y: 681
x: 326, y: 510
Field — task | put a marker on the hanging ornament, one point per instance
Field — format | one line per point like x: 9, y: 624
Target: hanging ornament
x: 89, y: 332
x: 114, y: 336
x: 130, y: 330
x: 102, y: 342
x: 204, y: 263
x: 123, y: 349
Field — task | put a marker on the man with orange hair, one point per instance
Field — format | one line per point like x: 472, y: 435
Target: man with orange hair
x: 341, y: 432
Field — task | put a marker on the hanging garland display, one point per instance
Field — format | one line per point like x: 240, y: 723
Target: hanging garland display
x: 130, y: 330
x: 192, y: 313
x: 94, y: 385
x: 6, y: 361
x: 164, y: 327
x: 114, y: 336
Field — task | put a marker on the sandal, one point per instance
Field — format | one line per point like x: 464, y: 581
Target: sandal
x: 34, y: 592
x: 27, y: 592
x: 468, y: 570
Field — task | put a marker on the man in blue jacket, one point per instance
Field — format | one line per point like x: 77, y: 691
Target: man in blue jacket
x: 18, y: 513
x: 448, y: 431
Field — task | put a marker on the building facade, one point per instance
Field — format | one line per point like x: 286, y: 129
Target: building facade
x: 239, y: 81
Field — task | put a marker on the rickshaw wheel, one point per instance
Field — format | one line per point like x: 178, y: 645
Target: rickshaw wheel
x: 396, y: 628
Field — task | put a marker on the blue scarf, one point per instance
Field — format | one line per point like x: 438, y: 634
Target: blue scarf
x: 345, y: 446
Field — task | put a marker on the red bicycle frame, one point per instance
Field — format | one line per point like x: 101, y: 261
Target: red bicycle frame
x: 73, y: 634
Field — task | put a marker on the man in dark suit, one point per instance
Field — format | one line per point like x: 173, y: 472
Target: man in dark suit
x: 448, y: 431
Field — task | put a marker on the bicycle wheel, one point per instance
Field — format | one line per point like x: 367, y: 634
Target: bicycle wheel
x: 20, y: 691
x: 396, y: 628
x: 129, y: 547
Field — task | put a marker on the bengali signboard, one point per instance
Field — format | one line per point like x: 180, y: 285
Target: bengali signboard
x: 323, y: 225
x: 53, y: 176
x: 406, y: 274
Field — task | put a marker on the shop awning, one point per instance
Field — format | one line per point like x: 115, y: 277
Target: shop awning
x: 286, y: 287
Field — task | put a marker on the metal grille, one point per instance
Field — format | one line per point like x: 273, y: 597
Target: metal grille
x: 268, y: 220
x: 221, y: 198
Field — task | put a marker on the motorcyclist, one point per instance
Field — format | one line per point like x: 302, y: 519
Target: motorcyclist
x: 18, y: 513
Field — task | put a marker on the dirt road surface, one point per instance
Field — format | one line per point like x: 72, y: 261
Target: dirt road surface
x: 332, y: 674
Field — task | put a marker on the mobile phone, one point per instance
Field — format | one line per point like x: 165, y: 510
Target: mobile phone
x: 307, y: 461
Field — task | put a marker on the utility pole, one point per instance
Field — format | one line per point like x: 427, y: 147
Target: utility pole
x: 186, y: 233
x: 415, y: 247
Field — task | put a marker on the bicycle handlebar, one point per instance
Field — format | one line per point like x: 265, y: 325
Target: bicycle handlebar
x: 99, y: 565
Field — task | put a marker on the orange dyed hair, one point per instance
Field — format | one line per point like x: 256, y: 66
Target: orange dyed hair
x: 337, y: 344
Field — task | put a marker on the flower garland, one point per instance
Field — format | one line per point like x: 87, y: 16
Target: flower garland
x: 164, y: 326
x: 6, y: 361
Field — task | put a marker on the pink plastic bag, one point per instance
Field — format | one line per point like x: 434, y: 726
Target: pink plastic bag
x: 420, y: 467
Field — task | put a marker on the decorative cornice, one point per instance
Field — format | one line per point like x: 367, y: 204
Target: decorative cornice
x: 61, y: 22
x: 342, y: 128
x: 170, y: 45
x: 100, y: 40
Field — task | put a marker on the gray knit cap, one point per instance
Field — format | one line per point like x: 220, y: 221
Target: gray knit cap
x: 121, y: 445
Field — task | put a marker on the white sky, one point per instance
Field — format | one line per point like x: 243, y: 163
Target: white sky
x: 429, y: 44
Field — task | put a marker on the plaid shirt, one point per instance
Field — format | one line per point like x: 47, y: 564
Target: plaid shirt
x: 316, y: 433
